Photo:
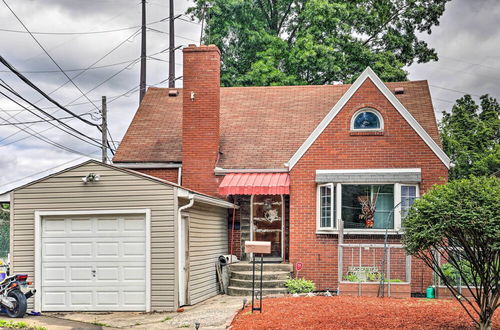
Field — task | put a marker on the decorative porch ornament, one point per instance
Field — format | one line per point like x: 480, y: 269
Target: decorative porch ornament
x: 272, y: 216
x: 368, y: 208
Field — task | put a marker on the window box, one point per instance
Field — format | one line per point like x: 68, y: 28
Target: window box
x: 370, y: 289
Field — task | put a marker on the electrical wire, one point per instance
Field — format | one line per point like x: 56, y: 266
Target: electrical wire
x: 454, y: 90
x: 29, y: 83
x: 126, y: 94
x: 35, y: 121
x: 47, y: 114
x: 49, y: 169
x: 47, y: 140
x: 47, y: 53
x: 80, y: 33
x: 73, y: 70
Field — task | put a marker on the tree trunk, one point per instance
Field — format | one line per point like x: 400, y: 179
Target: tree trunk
x: 485, y: 322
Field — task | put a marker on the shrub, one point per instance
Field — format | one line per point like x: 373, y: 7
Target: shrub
x: 459, y: 223
x: 299, y: 285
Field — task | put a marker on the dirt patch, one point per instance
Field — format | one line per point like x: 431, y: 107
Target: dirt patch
x: 356, y: 313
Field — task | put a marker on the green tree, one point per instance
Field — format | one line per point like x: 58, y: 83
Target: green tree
x: 287, y: 42
x: 471, y: 137
x: 457, y: 225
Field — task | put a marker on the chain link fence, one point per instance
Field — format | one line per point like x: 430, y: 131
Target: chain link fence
x: 4, y: 235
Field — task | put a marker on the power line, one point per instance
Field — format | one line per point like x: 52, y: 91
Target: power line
x: 51, y: 127
x: 46, y: 52
x: 454, y: 90
x: 159, y: 31
x: 46, y: 140
x: 74, y: 70
x: 474, y: 64
x: 34, y: 121
x: 29, y: 83
x: 80, y: 33
x: 49, y: 169
x: 49, y: 115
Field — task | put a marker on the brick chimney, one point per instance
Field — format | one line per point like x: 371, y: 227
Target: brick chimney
x: 200, y: 118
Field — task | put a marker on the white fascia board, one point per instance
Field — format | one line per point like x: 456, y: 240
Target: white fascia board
x: 368, y: 73
x: 5, y: 198
x: 371, y: 170
x: 148, y: 165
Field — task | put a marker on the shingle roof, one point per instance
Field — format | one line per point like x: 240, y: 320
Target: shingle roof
x: 261, y: 127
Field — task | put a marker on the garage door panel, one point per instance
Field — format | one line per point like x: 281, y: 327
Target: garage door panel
x: 94, y: 263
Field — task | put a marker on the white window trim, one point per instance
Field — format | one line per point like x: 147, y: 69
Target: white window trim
x: 333, y: 203
x: 397, y: 230
x: 379, y: 116
x: 399, y: 200
x: 38, y: 246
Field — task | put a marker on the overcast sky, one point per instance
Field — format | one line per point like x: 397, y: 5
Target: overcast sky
x: 467, y: 42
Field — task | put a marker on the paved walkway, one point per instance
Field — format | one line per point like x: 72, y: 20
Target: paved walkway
x: 51, y: 323
x: 214, y: 313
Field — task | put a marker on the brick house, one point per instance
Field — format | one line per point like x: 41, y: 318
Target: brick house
x: 326, y: 173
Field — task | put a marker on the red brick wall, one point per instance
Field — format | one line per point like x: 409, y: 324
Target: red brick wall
x: 398, y: 147
x: 169, y: 174
x: 200, y: 119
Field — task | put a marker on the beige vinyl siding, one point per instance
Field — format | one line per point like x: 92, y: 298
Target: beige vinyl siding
x: 116, y: 190
x: 207, y: 241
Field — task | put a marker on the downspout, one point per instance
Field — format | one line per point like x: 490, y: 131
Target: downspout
x: 179, y: 238
x: 232, y: 231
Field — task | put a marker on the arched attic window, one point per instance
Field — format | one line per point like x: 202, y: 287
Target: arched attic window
x: 367, y: 119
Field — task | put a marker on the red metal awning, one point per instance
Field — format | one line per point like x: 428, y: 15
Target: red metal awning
x: 255, y: 184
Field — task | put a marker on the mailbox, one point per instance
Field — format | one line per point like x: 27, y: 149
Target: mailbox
x: 257, y: 247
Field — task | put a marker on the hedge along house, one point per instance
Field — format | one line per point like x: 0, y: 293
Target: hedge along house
x: 99, y: 238
x: 326, y: 173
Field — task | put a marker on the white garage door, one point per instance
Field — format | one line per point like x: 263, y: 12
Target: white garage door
x: 93, y: 263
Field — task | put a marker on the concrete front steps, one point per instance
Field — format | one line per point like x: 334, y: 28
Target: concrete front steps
x: 273, y: 278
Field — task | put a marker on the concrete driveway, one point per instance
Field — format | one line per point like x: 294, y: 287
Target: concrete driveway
x: 214, y: 313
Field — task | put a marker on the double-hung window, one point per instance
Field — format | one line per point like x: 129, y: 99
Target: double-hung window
x: 408, y: 195
x: 326, y: 206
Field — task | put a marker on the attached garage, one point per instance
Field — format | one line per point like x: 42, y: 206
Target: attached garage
x: 99, y: 238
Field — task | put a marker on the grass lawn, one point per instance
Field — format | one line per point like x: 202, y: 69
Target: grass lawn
x: 356, y: 313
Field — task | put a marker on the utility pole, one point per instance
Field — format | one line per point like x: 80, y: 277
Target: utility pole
x: 104, y: 130
x: 142, y: 84
x: 171, y: 48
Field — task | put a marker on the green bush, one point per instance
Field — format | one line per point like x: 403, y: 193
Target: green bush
x: 299, y: 285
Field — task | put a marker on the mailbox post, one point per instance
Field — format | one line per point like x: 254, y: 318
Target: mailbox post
x: 257, y: 247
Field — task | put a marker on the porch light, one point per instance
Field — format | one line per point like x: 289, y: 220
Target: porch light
x: 91, y: 177
x: 197, y: 325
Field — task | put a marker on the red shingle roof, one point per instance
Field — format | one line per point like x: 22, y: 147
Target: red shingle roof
x: 261, y: 127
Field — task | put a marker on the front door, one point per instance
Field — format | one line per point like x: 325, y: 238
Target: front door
x: 267, y: 222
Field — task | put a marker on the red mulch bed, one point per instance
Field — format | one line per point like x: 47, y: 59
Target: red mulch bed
x: 356, y: 313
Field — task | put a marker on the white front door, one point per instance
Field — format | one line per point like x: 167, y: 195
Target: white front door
x: 93, y: 263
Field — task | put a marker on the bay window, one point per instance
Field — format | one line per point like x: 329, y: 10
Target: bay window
x: 363, y: 207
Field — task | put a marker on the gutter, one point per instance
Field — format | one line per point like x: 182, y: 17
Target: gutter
x: 183, y: 193
x: 224, y: 171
